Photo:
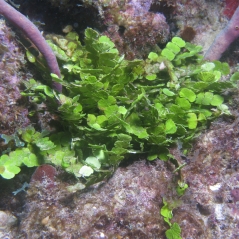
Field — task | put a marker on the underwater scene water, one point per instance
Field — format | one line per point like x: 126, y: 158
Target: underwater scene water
x: 119, y: 119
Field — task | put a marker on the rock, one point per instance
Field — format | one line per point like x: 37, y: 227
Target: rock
x: 7, y: 221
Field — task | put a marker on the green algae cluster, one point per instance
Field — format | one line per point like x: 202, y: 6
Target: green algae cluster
x: 112, y: 108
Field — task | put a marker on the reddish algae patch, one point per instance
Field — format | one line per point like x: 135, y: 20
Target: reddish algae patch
x: 230, y: 7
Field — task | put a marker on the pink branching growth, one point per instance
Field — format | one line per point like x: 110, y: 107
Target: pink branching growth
x: 32, y: 32
x: 224, y: 38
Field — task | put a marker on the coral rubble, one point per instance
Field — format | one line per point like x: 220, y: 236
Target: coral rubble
x: 212, y: 175
x: 127, y: 206
x: 7, y: 220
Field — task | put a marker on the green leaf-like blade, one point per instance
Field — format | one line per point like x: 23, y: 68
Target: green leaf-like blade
x: 217, y: 100
x: 192, y: 120
x: 168, y: 54
x: 44, y: 144
x: 188, y: 94
x: 174, y: 232
x: 170, y: 127
x: 178, y: 41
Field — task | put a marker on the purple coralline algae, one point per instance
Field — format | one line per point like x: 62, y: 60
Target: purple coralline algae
x: 127, y: 206
x: 13, y: 114
x: 213, y: 178
x: 133, y: 28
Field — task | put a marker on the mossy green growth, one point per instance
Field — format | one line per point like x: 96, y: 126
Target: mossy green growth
x: 10, y: 163
x: 174, y: 232
x: 113, y: 108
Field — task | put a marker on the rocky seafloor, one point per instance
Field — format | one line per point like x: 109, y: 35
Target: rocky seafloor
x: 128, y: 204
